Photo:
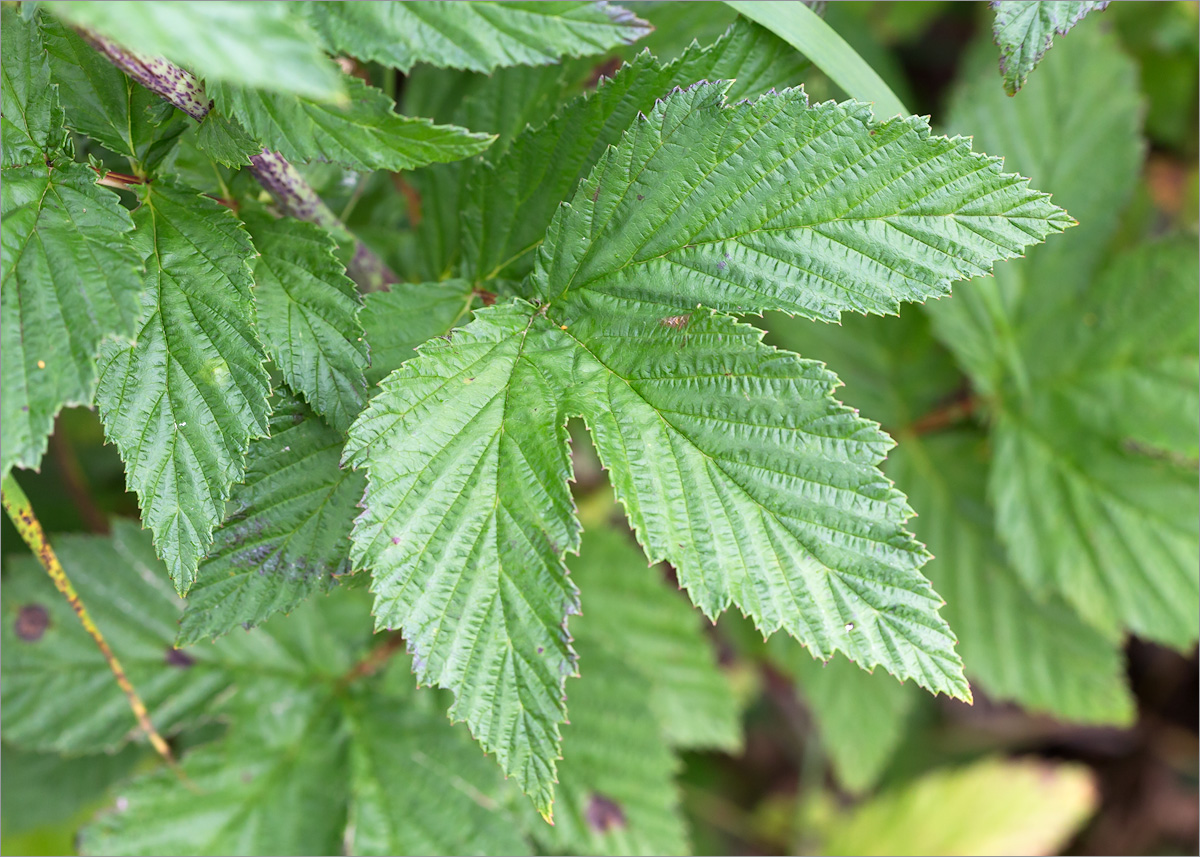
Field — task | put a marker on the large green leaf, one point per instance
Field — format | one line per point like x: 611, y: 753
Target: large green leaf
x: 1025, y: 30
x: 70, y: 275
x: 58, y: 693
x: 860, y: 717
x: 183, y: 403
x: 733, y: 461
x: 473, y: 574
x: 511, y: 201
x: 308, y: 316
x: 104, y: 104
x: 365, y: 134
x: 479, y: 36
x: 631, y: 610
x: 262, y: 44
x: 319, y: 754
x: 751, y: 203
x: 286, y: 534
x: 1036, y: 651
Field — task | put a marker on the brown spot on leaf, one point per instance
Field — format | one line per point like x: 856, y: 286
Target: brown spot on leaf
x: 177, y: 658
x: 675, y: 322
x: 604, y: 814
x: 32, y: 622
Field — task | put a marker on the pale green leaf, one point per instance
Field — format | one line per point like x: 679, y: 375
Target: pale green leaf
x: 31, y: 121
x: 479, y: 36
x: 861, y: 717
x: 474, y: 575
x: 510, y: 203
x: 804, y: 30
x: 751, y: 204
x: 631, y: 610
x: 990, y: 807
x: 616, y: 791
x: 183, y: 403
x: 308, y: 316
x: 400, y: 319
x: 365, y: 134
x: 104, y: 104
x: 225, y: 141
x: 263, y: 44
x: 286, y: 536
x: 71, y: 276
x: 1025, y: 30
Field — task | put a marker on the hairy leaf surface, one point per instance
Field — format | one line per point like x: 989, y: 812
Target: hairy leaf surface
x: 308, y: 316
x: 1025, y: 31
x: 225, y: 141
x: 32, y: 122
x: 733, y: 461
x: 400, y: 319
x: 183, y: 403
x: 365, y: 134
x: 286, y: 534
x: 254, y: 44
x: 478, y: 36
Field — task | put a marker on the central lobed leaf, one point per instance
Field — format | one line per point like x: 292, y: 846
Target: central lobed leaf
x: 733, y: 461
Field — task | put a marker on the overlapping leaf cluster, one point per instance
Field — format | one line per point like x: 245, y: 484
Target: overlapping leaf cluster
x: 591, y: 263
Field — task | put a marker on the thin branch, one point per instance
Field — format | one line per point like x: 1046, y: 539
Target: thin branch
x: 293, y: 194
x: 946, y: 416
x: 374, y: 660
x: 20, y: 511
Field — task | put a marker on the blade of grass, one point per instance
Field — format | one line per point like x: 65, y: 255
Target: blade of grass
x: 804, y: 30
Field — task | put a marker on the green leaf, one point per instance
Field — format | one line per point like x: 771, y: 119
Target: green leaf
x: 747, y: 476
x: 308, y: 316
x: 286, y: 536
x: 745, y: 202
x: 1026, y: 30
x: 262, y: 44
x: 70, y: 278
x: 292, y: 684
x: 479, y: 36
x: 476, y: 577
x: 861, y: 717
x: 32, y: 119
x: 225, y: 141
x: 183, y: 403
x: 990, y: 807
x: 1036, y: 651
x: 408, y: 765
x: 510, y: 203
x: 58, y: 693
x: 1015, y: 646
x: 631, y: 610
x: 104, y: 104
x: 616, y: 792
x: 364, y: 135
x: 400, y: 319
x: 804, y: 30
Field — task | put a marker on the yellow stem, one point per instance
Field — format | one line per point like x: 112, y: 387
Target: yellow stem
x: 20, y: 511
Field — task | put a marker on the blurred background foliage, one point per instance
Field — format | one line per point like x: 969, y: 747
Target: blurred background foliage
x: 831, y: 760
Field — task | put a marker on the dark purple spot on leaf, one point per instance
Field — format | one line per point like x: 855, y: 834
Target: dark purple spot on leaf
x: 720, y: 266
x: 395, y: 540
x: 604, y: 814
x: 640, y: 197
x: 541, y: 649
x: 176, y: 658
x: 32, y: 622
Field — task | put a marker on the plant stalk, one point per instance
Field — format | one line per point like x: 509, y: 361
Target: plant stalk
x: 278, y: 177
x: 20, y: 512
